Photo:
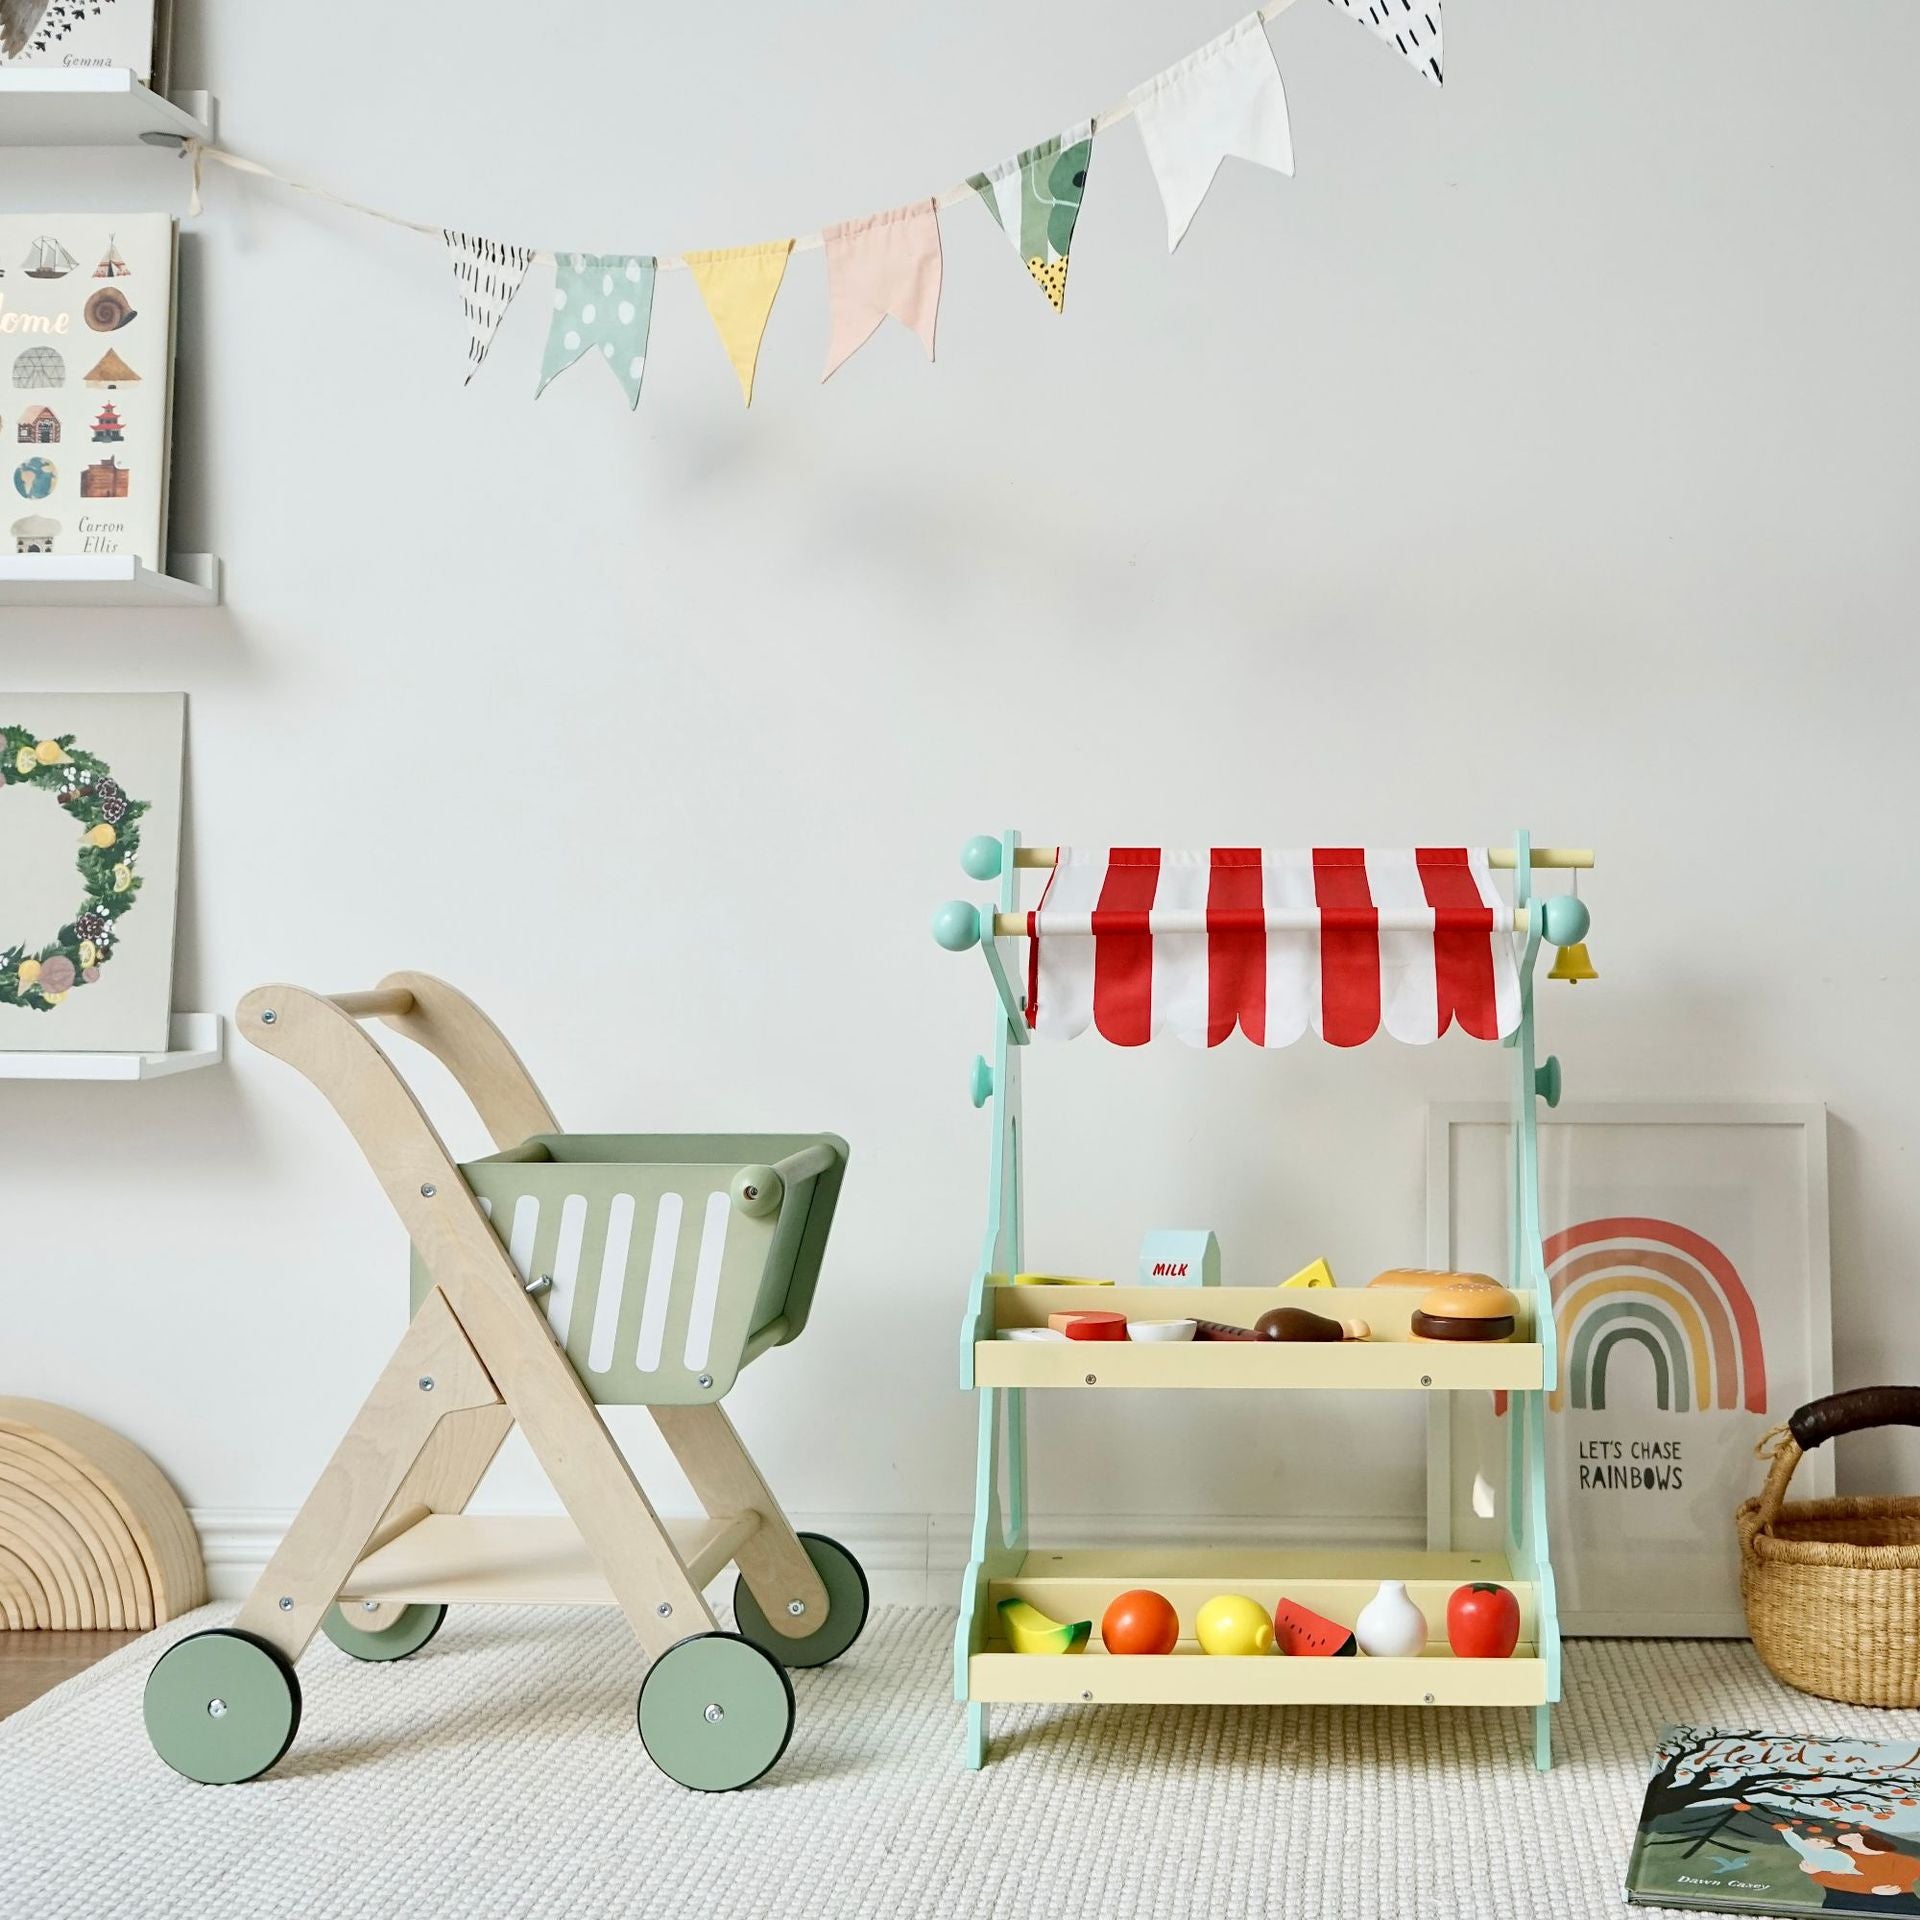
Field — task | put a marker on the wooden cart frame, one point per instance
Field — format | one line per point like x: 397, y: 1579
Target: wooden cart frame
x: 1077, y: 1584
x: 384, y: 1529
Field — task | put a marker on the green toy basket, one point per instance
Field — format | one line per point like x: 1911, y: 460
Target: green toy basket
x: 665, y: 1262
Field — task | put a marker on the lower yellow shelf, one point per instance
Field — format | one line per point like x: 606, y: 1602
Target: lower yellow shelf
x: 1078, y: 1584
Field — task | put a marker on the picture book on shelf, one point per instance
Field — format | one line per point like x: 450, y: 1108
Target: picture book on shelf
x: 86, y: 383
x: 86, y: 33
x: 1779, y: 1823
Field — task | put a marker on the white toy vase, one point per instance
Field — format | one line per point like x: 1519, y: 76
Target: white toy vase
x: 1390, y: 1626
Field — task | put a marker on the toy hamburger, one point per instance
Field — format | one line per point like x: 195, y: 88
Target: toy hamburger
x: 1467, y: 1307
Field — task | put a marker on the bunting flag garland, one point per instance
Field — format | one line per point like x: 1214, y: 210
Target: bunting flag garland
x: 886, y: 264
x: 1411, y: 25
x: 489, y: 273
x: 739, y: 285
x: 1036, y: 198
x: 604, y: 301
x: 1226, y: 100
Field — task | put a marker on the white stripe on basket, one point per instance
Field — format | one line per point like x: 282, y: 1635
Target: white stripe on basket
x: 653, y: 1313
x: 613, y: 1282
x: 526, y: 1223
x: 566, y: 1264
x: 706, y: 1280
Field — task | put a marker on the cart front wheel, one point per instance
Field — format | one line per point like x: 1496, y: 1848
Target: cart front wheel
x: 840, y: 1573
x: 715, y: 1712
x: 412, y: 1628
x: 221, y: 1707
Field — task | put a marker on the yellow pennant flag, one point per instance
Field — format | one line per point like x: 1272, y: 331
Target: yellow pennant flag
x: 739, y: 284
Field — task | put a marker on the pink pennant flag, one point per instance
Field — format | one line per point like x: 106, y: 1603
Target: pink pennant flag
x: 888, y: 263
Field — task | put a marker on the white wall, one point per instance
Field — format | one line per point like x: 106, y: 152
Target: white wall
x: 1544, y: 453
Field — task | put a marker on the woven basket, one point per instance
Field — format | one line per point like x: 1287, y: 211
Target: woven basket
x: 1832, y: 1587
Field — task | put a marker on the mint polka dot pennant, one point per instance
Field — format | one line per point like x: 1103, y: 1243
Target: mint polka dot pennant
x: 602, y: 304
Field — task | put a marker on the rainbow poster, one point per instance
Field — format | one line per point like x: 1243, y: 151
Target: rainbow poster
x: 1684, y: 1251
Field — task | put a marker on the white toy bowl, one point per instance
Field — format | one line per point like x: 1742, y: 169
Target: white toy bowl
x: 1159, y: 1330
x: 1031, y: 1333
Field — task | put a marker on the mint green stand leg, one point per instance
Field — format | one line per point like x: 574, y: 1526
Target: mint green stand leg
x: 1543, y: 1738
x: 977, y: 1711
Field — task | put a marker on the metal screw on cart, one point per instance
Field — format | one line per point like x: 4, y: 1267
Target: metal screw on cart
x: 1428, y: 1698
x: 428, y: 1190
x: 749, y: 1193
x: 715, y: 1712
x: 663, y: 1609
x: 216, y: 1708
x: 266, y: 1020
x: 1093, y: 1379
x: 286, y: 1603
x: 426, y: 1383
x: 706, y: 1380
x: 1088, y: 1695
x: 796, y: 1608
x: 1426, y: 1379
x: 369, y: 1606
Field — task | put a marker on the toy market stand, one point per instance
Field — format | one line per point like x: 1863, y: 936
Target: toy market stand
x: 1136, y: 941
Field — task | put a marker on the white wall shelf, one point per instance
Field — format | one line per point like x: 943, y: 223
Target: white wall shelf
x: 95, y: 107
x: 193, y: 1040
x: 107, y: 580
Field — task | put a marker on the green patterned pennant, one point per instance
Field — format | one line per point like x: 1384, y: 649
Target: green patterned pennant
x: 604, y: 301
x: 1036, y: 197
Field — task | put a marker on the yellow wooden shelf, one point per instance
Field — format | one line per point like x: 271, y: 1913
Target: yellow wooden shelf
x: 1079, y: 1583
x: 523, y: 1560
x: 1391, y: 1359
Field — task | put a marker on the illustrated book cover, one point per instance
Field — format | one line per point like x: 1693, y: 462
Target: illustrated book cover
x: 86, y: 354
x: 86, y: 33
x: 1779, y: 1823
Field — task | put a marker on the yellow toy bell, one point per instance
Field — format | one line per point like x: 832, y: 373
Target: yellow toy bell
x: 1571, y: 963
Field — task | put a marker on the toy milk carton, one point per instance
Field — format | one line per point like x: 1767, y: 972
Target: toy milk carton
x: 1180, y: 1257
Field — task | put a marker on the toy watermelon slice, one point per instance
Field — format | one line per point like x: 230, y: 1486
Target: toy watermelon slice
x: 1300, y: 1630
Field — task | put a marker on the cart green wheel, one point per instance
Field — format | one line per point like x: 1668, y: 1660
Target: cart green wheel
x: 846, y: 1587
x: 715, y: 1712
x: 412, y: 1628
x: 222, y: 1707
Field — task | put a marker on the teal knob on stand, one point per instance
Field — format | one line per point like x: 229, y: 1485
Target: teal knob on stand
x: 1546, y: 1079
x: 1563, y: 920
x: 956, y: 925
x: 982, y: 857
x: 980, y: 1085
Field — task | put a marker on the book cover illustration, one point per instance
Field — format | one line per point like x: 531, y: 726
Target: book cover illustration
x: 1779, y: 1823
x: 79, y: 33
x: 86, y: 359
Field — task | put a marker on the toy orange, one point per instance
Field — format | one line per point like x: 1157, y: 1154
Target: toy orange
x: 1140, y: 1621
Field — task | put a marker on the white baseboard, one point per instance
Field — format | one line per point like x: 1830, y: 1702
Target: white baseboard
x: 912, y: 1560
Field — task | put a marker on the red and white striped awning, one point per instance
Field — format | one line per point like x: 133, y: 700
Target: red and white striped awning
x: 1136, y: 941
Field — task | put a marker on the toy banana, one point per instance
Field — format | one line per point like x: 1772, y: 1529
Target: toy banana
x: 1030, y: 1631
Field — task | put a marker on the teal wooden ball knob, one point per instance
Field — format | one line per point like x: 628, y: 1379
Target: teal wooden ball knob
x: 1563, y: 919
x: 956, y: 925
x: 981, y: 857
x: 980, y: 1084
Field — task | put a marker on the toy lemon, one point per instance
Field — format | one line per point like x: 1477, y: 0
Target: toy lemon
x: 1231, y: 1623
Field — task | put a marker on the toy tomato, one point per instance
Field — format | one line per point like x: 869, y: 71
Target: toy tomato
x: 1141, y: 1621
x: 1483, y: 1622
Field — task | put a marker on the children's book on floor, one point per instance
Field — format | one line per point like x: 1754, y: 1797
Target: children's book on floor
x: 1779, y: 1823
x: 86, y: 357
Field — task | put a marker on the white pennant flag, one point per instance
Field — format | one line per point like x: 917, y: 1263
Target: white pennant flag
x: 1224, y: 100
x: 489, y: 273
x: 1411, y: 25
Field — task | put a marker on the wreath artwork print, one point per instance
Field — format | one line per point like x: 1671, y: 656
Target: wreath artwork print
x: 82, y: 783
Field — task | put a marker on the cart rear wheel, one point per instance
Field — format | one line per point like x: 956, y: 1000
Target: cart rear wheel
x: 221, y: 1707
x: 412, y: 1628
x: 846, y: 1587
x: 715, y: 1712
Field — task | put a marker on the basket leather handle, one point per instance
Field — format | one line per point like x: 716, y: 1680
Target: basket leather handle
x: 1854, y: 1412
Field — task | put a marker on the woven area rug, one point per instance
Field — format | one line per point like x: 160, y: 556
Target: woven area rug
x: 498, y: 1773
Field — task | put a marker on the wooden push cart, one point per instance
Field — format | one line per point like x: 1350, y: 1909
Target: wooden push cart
x: 564, y: 1272
x: 1347, y: 942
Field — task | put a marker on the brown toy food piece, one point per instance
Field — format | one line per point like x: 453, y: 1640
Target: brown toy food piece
x: 1296, y: 1323
x: 1473, y: 1309
x: 1219, y: 1330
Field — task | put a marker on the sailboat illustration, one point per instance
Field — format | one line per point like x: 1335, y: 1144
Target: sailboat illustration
x: 47, y: 259
x: 112, y: 266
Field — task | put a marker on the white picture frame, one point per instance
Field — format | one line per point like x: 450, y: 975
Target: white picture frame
x: 1688, y: 1247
